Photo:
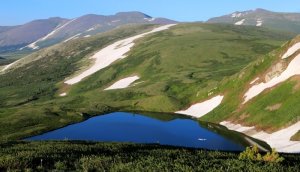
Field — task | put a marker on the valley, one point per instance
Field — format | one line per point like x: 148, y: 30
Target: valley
x: 127, y: 91
x: 153, y: 60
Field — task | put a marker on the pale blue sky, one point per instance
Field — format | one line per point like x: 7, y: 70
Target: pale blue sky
x: 14, y: 12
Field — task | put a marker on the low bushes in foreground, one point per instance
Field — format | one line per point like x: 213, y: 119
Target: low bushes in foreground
x: 252, y: 154
x: 95, y: 156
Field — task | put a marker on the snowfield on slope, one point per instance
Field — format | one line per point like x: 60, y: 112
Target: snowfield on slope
x: 112, y: 53
x: 292, y: 70
x: 9, y: 65
x: 259, y: 22
x: 123, y: 83
x: 292, y: 50
x: 73, y: 37
x: 200, y: 109
x: 6, y: 67
x: 236, y: 15
x: 280, y: 140
x: 241, y: 22
x: 236, y: 127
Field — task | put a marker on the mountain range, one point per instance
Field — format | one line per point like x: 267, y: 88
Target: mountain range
x: 262, y: 18
x: 42, y: 33
x: 17, y: 41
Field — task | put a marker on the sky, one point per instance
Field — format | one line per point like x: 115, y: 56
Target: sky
x: 14, y: 12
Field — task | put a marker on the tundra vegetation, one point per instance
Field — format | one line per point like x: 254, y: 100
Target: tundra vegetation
x: 91, y: 156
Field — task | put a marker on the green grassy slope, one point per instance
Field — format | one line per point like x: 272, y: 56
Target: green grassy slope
x: 89, y: 156
x: 257, y: 112
x: 26, y: 93
x: 179, y: 66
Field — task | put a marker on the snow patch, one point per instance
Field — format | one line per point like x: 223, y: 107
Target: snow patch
x: 62, y: 94
x: 150, y: 19
x: 292, y: 69
x: 241, y: 22
x: 200, y: 109
x: 9, y: 65
x: 291, y: 50
x: 252, y: 82
x: 236, y: 15
x: 236, y: 127
x: 73, y: 37
x: 86, y: 36
x: 280, y: 140
x: 112, y: 53
x: 90, y: 29
x: 259, y: 22
x: 6, y: 67
x: 123, y: 83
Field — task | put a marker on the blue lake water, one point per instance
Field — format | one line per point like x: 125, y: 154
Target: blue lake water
x: 164, y: 129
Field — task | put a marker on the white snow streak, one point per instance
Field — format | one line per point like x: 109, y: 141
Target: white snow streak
x: 111, y: 53
x: 73, y: 37
x: 200, y: 109
x: 292, y: 70
x: 241, y: 22
x: 34, y: 46
x: 291, y: 50
x: 123, y: 83
x: 280, y: 140
x: 259, y: 22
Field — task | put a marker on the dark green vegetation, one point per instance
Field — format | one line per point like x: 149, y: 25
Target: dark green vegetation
x: 179, y: 67
x: 4, y: 61
x: 88, y: 156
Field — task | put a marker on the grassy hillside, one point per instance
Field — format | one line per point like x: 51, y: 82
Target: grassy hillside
x: 26, y: 92
x: 271, y: 110
x: 89, y: 156
x: 179, y: 67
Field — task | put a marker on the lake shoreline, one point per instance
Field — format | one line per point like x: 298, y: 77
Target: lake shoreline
x: 153, y: 127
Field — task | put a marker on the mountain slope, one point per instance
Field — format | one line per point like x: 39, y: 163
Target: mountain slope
x: 262, y: 100
x: 260, y: 17
x: 15, y: 37
x: 176, y: 67
x: 264, y: 70
x: 43, y: 33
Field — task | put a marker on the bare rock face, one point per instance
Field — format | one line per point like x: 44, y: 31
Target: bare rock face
x: 275, y: 71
